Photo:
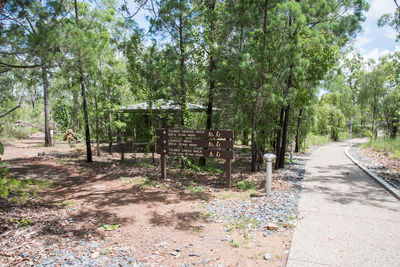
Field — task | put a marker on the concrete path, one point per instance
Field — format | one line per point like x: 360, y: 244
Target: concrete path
x: 348, y: 219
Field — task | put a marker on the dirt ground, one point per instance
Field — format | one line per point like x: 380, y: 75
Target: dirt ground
x: 155, y: 217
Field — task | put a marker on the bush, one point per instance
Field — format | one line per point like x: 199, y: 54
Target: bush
x: 245, y: 185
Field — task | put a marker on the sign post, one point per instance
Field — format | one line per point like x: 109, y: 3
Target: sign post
x: 196, y: 143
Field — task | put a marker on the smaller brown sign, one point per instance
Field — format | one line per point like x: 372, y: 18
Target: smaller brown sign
x: 196, y: 152
x: 227, y: 144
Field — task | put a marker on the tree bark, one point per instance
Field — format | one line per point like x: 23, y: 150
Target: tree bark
x: 11, y: 110
x: 75, y: 112
x: 212, y: 67
x: 47, y: 137
x: 254, y: 149
x: 279, y: 138
x: 284, y: 137
x: 84, y: 104
x: 182, y: 67
x: 298, y: 131
x: 373, y: 126
x: 97, y: 127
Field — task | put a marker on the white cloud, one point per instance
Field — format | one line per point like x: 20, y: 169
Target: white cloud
x: 374, y: 42
x: 375, y: 54
x: 380, y: 7
x: 389, y: 33
x: 363, y: 40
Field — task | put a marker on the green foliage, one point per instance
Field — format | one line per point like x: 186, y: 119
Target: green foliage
x: 235, y: 243
x: 196, y: 190
x: 110, y: 227
x: 241, y: 223
x: 23, y: 223
x: 245, y: 185
x: 219, y: 53
x: 387, y: 145
x: 66, y: 203
x: 17, y: 190
x: 150, y: 183
x: 62, y: 113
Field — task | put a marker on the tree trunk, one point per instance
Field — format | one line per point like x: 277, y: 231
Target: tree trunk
x: 182, y: 69
x: 279, y: 138
x: 254, y: 149
x: 298, y: 131
x: 75, y: 111
x: 393, y: 132
x: 351, y: 127
x: 84, y: 104
x: 212, y: 67
x: 97, y: 127
x: 110, y: 141
x: 284, y: 137
x: 373, y: 127
x: 47, y: 137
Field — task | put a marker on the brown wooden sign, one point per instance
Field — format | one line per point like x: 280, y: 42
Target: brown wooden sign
x: 212, y: 134
x: 195, y: 143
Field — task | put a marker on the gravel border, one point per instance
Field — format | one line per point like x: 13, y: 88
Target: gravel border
x: 280, y: 207
x: 380, y: 180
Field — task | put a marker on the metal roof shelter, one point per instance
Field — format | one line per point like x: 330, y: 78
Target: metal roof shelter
x: 161, y: 105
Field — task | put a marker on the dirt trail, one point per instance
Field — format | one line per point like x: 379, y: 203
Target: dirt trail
x: 155, y: 218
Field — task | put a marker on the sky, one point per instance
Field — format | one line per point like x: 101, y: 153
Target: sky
x: 374, y: 42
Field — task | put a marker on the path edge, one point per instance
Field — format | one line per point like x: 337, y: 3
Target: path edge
x: 380, y: 180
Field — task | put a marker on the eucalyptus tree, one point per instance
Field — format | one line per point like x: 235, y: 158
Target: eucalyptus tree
x: 174, y: 18
x: 372, y: 91
x: 322, y: 26
x: 391, y: 97
x: 29, y: 39
x: 393, y: 20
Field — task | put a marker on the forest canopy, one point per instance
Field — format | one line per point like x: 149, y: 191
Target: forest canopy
x: 272, y: 71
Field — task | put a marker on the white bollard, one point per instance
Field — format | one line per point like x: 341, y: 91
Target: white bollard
x: 291, y: 152
x: 52, y: 137
x: 269, y: 158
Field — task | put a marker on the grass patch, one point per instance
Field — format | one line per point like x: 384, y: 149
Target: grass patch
x: 21, y: 190
x: 67, y: 203
x: 240, y: 223
x: 235, y: 244
x: 110, y: 227
x: 23, y: 223
x: 196, y: 190
x: 245, y: 185
x: 387, y: 145
x: 145, y: 164
x: 148, y: 183
x: 209, y: 215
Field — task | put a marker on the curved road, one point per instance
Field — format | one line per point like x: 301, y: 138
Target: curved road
x: 347, y: 219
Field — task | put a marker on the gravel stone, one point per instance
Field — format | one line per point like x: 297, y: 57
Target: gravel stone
x: 194, y: 254
x: 174, y: 253
x: 375, y: 167
x: 267, y: 256
x: 25, y: 255
x: 279, y: 207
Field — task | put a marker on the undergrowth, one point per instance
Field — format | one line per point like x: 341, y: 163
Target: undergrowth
x: 386, y: 145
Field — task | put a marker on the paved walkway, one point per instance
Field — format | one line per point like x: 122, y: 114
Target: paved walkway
x: 347, y: 218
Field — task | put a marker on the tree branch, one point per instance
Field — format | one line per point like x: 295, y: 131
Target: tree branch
x: 21, y: 66
x: 14, y: 108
